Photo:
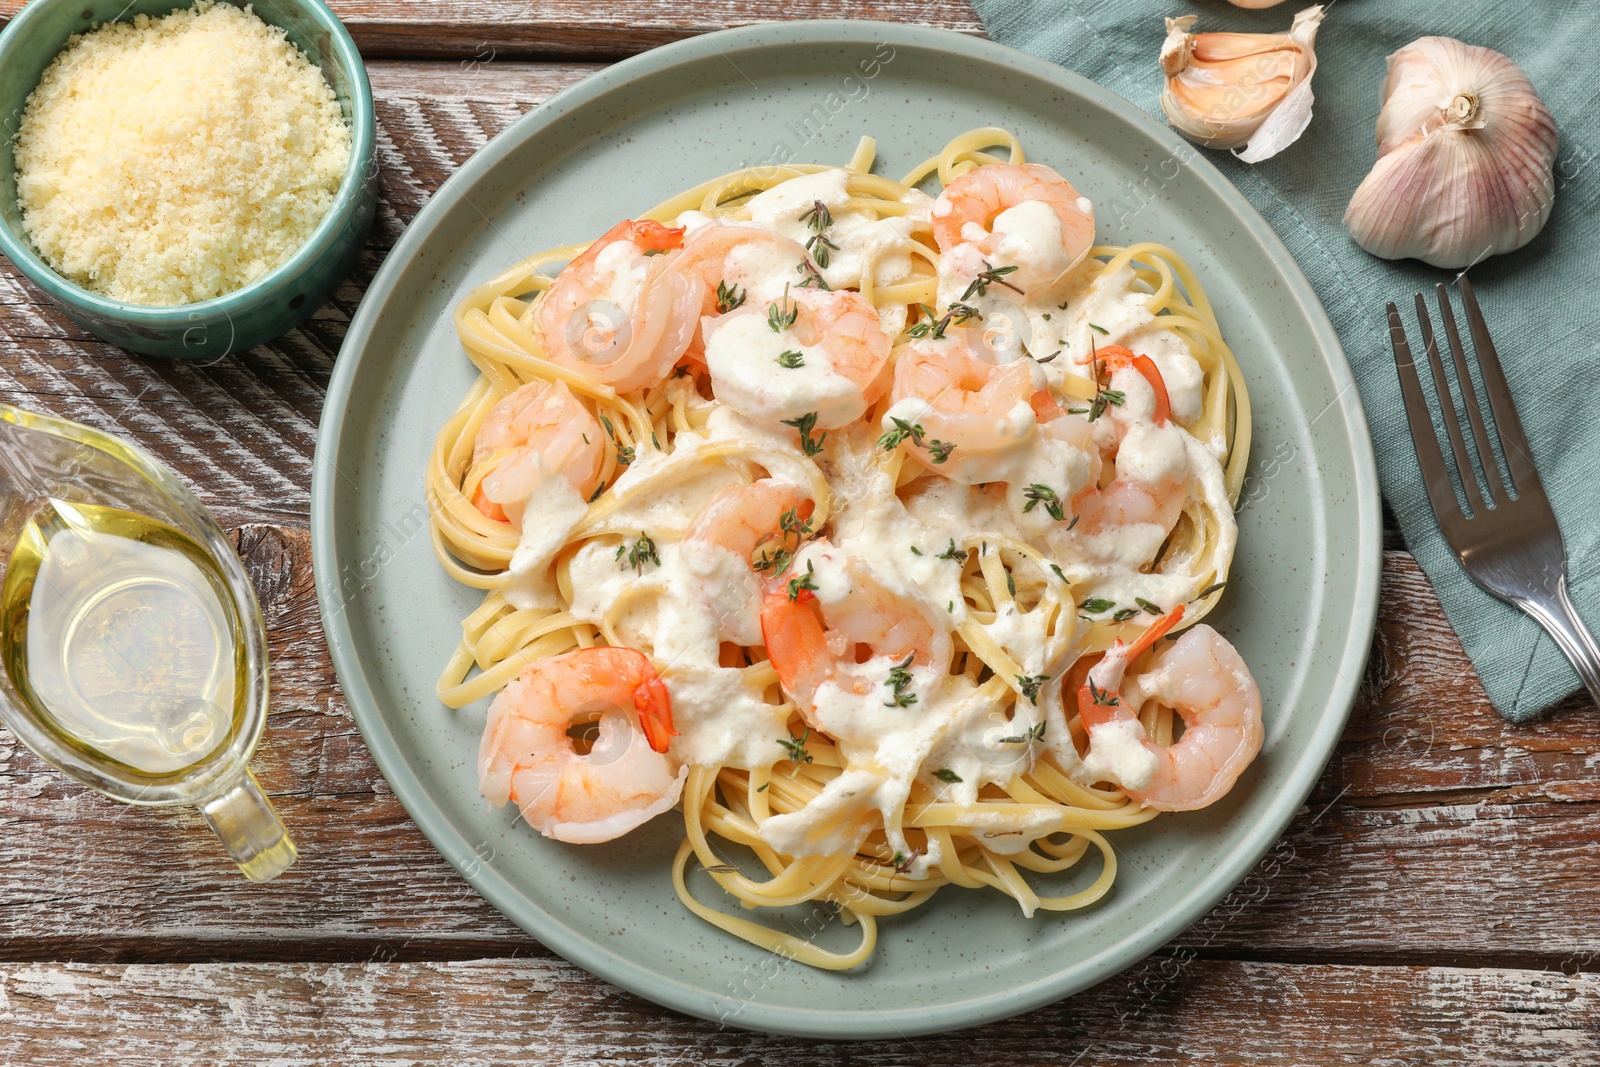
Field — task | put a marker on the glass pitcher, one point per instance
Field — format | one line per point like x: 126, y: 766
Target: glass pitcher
x: 132, y: 651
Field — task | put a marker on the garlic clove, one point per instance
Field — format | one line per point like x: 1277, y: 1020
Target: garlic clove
x: 1232, y: 90
x: 1465, y: 150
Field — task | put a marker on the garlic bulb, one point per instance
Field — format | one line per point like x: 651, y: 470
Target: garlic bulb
x: 1230, y: 89
x: 1465, y: 148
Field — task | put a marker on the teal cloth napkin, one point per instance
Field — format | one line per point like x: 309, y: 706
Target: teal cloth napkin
x: 1542, y: 302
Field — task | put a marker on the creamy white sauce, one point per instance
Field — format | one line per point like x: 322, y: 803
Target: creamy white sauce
x: 625, y: 265
x: 698, y: 596
x: 742, y: 352
x: 549, y: 516
x: 1117, y: 754
x: 866, y: 246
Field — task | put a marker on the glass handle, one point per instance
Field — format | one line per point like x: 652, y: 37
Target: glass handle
x: 250, y: 830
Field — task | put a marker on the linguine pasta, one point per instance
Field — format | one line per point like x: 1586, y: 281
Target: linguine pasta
x: 967, y: 761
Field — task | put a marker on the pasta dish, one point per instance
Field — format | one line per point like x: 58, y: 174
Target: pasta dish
x: 867, y: 522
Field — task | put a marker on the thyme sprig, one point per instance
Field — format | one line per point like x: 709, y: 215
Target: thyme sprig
x: 796, y: 747
x: 642, y: 551
x: 1105, y: 698
x: 729, y: 297
x: 805, y: 424
x: 803, y: 583
x: 781, y: 316
x: 791, y: 359
x: 933, y: 328
x: 987, y: 277
x: 1037, y: 494
x: 812, y: 276
x: 1029, y: 684
x: 1034, y: 733
x: 904, y: 428
x: 899, y: 678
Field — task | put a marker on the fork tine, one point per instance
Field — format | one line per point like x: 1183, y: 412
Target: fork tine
x: 1435, y: 475
x: 1519, y: 457
x: 1447, y: 410
x: 1469, y: 396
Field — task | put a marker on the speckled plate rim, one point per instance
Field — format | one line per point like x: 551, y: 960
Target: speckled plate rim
x: 1248, y: 844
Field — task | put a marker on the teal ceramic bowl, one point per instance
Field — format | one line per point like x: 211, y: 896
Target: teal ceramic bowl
x: 273, y: 303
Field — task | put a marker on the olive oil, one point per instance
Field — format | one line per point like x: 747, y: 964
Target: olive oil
x: 119, y: 631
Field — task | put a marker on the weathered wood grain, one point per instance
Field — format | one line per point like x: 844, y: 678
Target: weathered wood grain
x: 82, y: 878
x: 1166, y: 1011
x: 553, y: 29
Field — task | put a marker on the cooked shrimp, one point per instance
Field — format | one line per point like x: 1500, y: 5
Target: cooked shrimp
x: 807, y: 354
x: 529, y: 436
x: 967, y: 416
x: 1202, y: 678
x: 1022, y: 215
x: 618, y: 313
x: 624, y: 780
x: 1117, y: 357
x: 768, y: 517
x: 747, y: 262
x: 811, y: 640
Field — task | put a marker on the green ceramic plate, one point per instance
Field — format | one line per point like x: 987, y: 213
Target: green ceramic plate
x: 1301, y: 606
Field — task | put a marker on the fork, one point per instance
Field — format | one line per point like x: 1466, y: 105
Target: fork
x: 1507, y: 540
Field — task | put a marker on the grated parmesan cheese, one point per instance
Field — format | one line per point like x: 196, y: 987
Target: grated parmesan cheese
x: 172, y: 160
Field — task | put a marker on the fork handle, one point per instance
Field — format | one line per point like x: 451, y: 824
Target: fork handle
x: 1562, y: 622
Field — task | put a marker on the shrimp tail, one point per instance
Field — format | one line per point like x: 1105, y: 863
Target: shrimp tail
x: 1118, y: 356
x: 654, y: 704
x: 1156, y: 631
x: 1094, y: 703
x: 1152, y: 374
x: 652, y: 236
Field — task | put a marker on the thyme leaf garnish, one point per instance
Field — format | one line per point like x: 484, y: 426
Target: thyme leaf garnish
x: 796, y: 747
x: 803, y: 583
x: 729, y: 297
x: 899, y: 678
x: 1030, y: 684
x: 1103, y: 697
x: 1037, y: 494
x: 791, y: 359
x: 1208, y: 590
x: 781, y: 316
x: 1124, y: 614
x: 1149, y: 606
x: 987, y: 277
x: 642, y: 551
x: 1097, y: 605
x: 953, y: 552
x: 903, y: 429
x: 811, y: 276
x: 1035, y: 733
x: 945, y: 774
x: 805, y: 424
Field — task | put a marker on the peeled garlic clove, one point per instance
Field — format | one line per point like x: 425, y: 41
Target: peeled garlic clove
x: 1225, y: 90
x: 1465, y: 148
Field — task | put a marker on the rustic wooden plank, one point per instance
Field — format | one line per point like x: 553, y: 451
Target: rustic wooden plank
x: 549, y: 29
x: 1385, y: 864
x: 1168, y: 1011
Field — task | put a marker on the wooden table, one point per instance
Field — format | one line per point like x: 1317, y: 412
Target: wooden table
x: 1437, y: 900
